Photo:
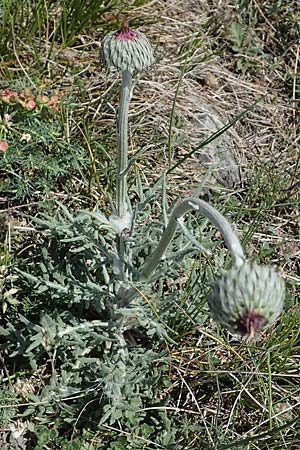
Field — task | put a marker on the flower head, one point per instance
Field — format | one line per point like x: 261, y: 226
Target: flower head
x: 29, y: 104
x: 9, y: 96
x: 3, y: 145
x: 126, y: 49
x: 54, y: 103
x: 247, y: 298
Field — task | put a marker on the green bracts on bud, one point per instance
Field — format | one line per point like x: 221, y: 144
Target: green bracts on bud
x: 248, y: 298
x: 126, y: 49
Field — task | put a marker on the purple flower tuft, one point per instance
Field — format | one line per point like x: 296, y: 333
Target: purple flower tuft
x: 125, y: 34
x: 249, y: 322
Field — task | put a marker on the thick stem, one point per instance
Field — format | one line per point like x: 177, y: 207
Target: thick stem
x: 191, y: 204
x: 194, y: 204
x: 122, y: 201
x: 122, y: 198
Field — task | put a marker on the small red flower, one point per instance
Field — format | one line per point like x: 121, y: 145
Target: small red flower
x: 28, y: 103
x: 3, y: 145
x: 54, y: 102
x: 9, y: 96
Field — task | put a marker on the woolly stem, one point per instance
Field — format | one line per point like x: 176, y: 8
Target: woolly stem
x: 122, y: 200
x: 198, y: 205
x: 122, y: 130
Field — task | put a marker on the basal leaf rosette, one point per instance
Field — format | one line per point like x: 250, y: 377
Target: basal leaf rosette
x: 247, y: 298
x: 126, y: 49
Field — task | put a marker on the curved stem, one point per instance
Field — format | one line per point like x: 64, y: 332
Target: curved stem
x: 122, y: 129
x: 191, y: 204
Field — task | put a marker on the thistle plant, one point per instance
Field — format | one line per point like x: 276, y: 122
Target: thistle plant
x: 130, y: 52
x: 246, y: 299
x: 98, y: 275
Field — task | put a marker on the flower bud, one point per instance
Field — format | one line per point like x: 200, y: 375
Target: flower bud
x: 248, y: 298
x: 126, y: 49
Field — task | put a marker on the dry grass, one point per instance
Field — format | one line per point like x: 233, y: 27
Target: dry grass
x: 207, y: 83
